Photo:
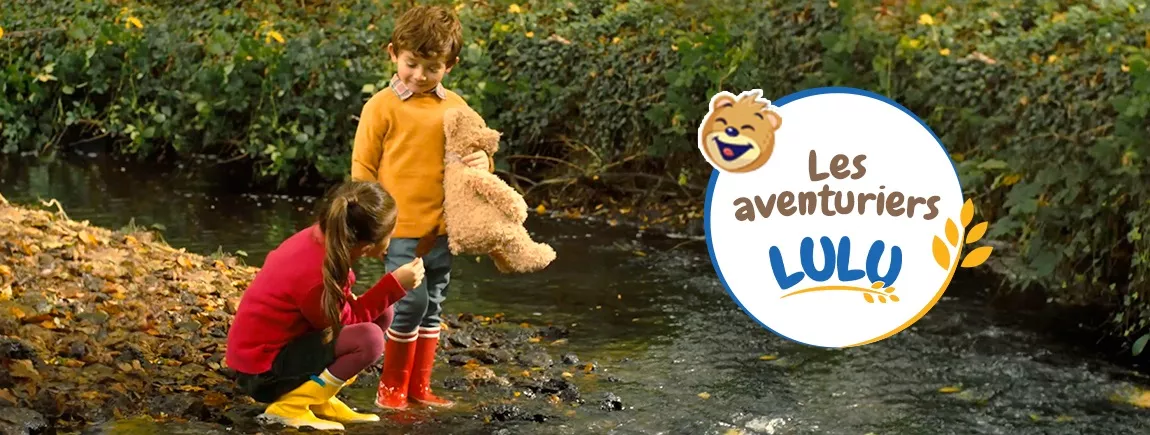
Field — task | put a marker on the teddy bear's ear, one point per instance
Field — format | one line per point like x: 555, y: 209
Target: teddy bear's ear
x: 490, y: 140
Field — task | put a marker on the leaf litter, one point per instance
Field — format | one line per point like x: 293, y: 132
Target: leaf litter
x: 99, y: 325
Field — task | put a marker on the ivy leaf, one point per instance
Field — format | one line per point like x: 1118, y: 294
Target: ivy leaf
x: 1140, y: 344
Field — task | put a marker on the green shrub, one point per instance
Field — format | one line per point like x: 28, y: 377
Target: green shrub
x: 1043, y: 103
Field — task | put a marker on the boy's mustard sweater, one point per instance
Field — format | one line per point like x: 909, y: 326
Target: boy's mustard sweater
x: 400, y: 143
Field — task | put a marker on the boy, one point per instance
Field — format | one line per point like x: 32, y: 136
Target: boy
x: 400, y: 143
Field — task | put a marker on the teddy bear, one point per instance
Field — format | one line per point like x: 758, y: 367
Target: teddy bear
x: 482, y: 213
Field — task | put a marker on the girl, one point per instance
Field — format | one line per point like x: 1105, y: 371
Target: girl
x: 300, y: 335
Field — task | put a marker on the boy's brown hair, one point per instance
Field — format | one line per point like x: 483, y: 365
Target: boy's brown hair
x: 429, y: 32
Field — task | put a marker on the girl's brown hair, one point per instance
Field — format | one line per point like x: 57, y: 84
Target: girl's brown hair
x: 352, y: 212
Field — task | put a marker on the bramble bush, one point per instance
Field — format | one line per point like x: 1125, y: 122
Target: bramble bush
x: 1042, y: 103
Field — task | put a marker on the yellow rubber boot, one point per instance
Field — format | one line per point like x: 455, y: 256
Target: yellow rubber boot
x: 335, y: 409
x: 294, y: 408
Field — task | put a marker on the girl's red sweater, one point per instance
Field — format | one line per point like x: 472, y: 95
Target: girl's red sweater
x: 284, y: 301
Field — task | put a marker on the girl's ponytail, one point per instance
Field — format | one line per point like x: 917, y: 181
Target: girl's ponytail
x: 352, y: 214
x: 336, y: 263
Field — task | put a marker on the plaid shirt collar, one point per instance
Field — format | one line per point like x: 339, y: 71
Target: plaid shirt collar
x: 404, y: 92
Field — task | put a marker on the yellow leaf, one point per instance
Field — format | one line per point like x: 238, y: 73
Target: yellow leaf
x: 941, y: 254
x: 88, y: 238
x: 533, y: 340
x: 948, y: 390
x: 976, y: 233
x: 641, y: 253
x: 951, y: 232
x: 184, y: 261
x: 869, y: 298
x: 967, y: 213
x: 977, y: 256
x: 1011, y: 179
x: 705, y: 395
x: 272, y: 34
x: 768, y: 358
x: 568, y: 375
x: 877, y: 285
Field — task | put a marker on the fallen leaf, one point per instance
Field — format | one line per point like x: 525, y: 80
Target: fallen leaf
x: 768, y: 357
x: 948, y: 390
x: 568, y: 375
x: 88, y: 238
x: 7, y: 395
x: 22, y: 368
x: 704, y: 395
x: 215, y: 399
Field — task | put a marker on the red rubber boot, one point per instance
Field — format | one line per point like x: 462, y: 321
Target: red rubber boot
x: 425, y: 349
x: 398, y: 356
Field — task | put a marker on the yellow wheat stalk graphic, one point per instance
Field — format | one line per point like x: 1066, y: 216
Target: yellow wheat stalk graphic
x: 977, y: 256
x: 940, y: 249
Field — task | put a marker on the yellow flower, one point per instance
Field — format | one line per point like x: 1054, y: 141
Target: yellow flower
x: 926, y: 19
x: 272, y: 34
x: 514, y: 8
x: 616, y: 40
x: 1125, y: 68
x: 914, y: 43
x: 529, y: 34
x: 944, y: 52
x: 1, y: 32
x: 1051, y: 59
x: 133, y: 21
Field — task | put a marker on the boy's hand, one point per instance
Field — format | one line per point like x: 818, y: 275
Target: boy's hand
x: 477, y: 160
x: 410, y: 275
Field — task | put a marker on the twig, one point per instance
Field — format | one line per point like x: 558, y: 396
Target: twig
x: 59, y: 207
x: 544, y: 158
x: 91, y: 139
x: 692, y: 240
x: 568, y: 180
x: 20, y: 33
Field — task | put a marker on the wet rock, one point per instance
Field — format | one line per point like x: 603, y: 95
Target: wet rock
x: 21, y: 421
x: 570, y: 359
x: 490, y: 356
x: 458, y: 359
x: 15, y: 348
x: 558, y: 387
x: 611, y: 402
x: 189, y: 326
x: 459, y: 339
x: 183, y: 405
x: 535, y: 358
x: 552, y: 333
x: 507, y: 412
x: 456, y: 384
x: 77, y: 350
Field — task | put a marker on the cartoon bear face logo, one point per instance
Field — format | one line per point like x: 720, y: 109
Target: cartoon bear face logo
x: 738, y: 134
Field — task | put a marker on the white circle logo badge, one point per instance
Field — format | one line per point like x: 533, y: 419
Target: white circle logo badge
x: 835, y: 219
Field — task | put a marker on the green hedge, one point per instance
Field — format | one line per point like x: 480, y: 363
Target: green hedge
x: 1043, y: 103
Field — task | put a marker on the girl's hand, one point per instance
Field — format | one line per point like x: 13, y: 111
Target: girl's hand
x: 477, y: 160
x: 410, y: 275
